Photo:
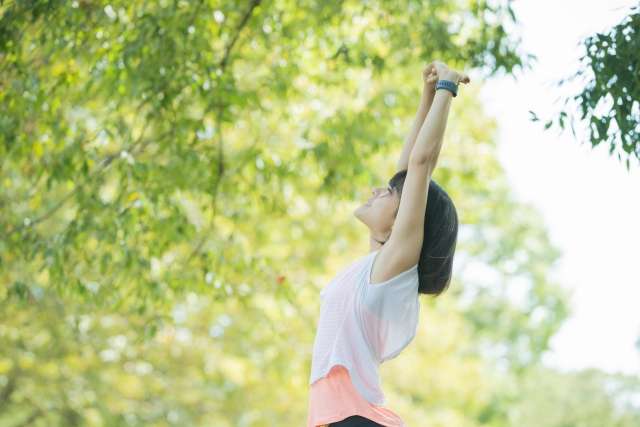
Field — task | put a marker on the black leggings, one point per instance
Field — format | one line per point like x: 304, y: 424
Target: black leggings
x: 355, y: 421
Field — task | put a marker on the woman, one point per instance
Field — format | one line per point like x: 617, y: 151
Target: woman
x: 370, y: 310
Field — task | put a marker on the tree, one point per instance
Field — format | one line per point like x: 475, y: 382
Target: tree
x: 175, y: 182
x: 157, y: 152
x: 134, y: 130
x: 609, y: 102
x: 588, y: 398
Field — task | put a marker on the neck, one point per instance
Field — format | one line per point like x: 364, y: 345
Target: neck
x: 375, y: 244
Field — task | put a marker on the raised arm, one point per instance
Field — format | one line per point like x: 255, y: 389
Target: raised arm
x: 429, y: 78
x: 402, y: 250
x: 429, y: 140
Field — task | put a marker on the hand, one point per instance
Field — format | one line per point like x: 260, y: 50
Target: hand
x: 430, y: 77
x: 445, y: 73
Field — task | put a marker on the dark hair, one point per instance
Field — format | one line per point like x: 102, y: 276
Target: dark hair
x: 435, y: 267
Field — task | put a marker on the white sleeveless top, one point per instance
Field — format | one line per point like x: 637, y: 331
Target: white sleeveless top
x: 362, y: 325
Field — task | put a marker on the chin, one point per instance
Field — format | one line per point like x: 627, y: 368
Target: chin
x: 357, y: 212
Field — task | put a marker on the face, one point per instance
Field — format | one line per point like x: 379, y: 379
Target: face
x: 378, y: 213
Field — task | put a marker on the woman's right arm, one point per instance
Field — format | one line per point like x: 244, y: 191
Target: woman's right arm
x: 429, y: 140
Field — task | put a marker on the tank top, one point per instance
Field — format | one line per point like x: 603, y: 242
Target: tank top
x: 361, y: 325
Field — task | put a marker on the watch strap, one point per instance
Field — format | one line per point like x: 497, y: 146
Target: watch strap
x: 448, y: 85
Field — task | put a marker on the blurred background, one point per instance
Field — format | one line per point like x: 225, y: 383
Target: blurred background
x: 177, y: 185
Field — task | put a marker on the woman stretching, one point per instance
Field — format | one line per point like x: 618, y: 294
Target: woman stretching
x: 370, y: 310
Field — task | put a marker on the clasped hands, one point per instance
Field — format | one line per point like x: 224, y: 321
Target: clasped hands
x: 438, y: 70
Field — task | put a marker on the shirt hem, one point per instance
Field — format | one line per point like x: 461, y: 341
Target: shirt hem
x: 354, y: 379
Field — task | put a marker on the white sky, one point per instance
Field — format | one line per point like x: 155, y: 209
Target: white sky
x: 590, y: 203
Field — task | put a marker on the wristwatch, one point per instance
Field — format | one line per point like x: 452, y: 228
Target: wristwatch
x: 448, y: 85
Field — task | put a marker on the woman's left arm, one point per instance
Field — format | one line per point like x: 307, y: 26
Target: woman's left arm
x: 428, y: 91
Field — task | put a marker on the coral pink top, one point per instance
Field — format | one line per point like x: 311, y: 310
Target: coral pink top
x: 333, y: 398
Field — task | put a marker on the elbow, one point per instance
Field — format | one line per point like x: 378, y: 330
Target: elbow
x: 424, y: 154
x: 420, y: 159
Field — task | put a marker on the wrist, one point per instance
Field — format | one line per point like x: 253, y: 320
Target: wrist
x: 428, y: 90
x: 450, y: 75
x: 448, y: 85
x: 427, y: 96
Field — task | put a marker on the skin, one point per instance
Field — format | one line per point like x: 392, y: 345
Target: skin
x: 379, y: 214
x: 401, y: 250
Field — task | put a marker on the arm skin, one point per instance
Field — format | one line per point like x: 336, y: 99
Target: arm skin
x: 425, y: 104
x: 402, y: 249
x: 429, y: 141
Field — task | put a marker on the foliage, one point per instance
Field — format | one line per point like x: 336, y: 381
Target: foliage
x: 134, y: 132
x: 609, y: 102
x: 584, y: 398
x: 177, y: 183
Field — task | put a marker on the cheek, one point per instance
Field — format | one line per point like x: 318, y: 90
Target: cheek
x: 382, y: 209
x: 390, y: 206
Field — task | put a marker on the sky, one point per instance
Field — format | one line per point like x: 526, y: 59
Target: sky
x: 588, y: 199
